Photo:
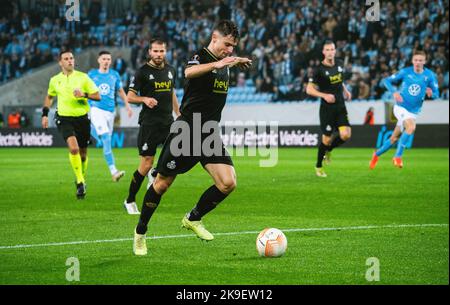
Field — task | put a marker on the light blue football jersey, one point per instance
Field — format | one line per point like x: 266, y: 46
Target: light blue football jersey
x: 108, y: 84
x: 413, y: 87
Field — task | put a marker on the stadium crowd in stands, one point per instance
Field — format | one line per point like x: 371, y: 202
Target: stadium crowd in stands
x: 283, y: 37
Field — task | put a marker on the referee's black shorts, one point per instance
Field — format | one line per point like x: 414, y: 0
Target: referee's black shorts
x: 333, y: 116
x: 171, y: 162
x: 79, y: 127
x: 150, y: 136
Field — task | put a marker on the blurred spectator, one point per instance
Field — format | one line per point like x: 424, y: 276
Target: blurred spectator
x: 364, y: 91
x: 14, y: 119
x: 24, y: 120
x: 370, y: 117
x: 1, y: 120
x: 241, y: 80
x: 283, y: 37
x: 120, y: 65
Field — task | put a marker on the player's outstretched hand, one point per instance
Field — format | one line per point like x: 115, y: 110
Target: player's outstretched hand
x: 329, y: 98
x: 44, y: 122
x: 227, y: 61
x: 429, y: 92
x: 398, y: 98
x: 150, y: 102
x: 243, y: 63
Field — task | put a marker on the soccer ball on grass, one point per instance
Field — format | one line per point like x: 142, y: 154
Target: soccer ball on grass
x: 271, y: 242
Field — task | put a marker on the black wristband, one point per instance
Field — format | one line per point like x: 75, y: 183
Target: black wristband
x: 45, y: 111
x: 86, y: 95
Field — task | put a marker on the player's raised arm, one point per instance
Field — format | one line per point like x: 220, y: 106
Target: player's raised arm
x: 312, y: 90
x: 136, y: 85
x: 136, y: 99
x: 389, y: 82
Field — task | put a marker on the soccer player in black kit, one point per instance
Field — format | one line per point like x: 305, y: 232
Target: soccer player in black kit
x: 152, y: 86
x: 206, y: 88
x: 328, y: 84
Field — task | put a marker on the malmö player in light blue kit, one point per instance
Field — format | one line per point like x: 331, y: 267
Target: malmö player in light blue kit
x: 416, y: 82
x: 102, y: 113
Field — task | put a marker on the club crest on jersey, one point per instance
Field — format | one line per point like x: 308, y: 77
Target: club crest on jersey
x: 414, y: 90
x: 327, y: 73
x: 171, y: 165
x: 104, y: 89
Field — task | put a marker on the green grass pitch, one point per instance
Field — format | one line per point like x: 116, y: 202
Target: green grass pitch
x: 38, y: 207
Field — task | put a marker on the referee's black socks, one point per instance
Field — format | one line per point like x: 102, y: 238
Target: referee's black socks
x: 135, y: 185
x: 151, y: 202
x: 208, y: 201
x: 322, y: 150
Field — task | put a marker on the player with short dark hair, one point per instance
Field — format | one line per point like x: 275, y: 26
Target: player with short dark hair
x: 416, y: 83
x: 206, y: 88
x: 153, y: 87
x: 328, y: 84
x: 72, y: 89
x: 103, y: 113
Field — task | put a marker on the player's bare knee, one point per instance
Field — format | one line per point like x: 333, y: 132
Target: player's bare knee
x: 327, y: 141
x: 410, y: 129
x: 227, y: 186
x: 161, y: 185
x: 74, y: 150
x: 345, y: 136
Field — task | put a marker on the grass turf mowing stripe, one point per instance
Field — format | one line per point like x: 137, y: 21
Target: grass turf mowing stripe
x: 369, y: 227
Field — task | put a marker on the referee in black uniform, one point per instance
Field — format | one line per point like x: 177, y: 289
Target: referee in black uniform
x: 206, y: 87
x: 328, y: 84
x: 152, y: 86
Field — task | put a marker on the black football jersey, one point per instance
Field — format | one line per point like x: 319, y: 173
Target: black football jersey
x: 330, y: 80
x: 206, y: 94
x: 158, y: 83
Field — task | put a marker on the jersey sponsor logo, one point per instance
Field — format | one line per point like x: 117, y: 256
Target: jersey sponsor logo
x: 414, y: 90
x: 340, y: 69
x: 171, y: 165
x: 104, y: 89
x: 132, y: 82
x: 329, y: 128
x: 220, y: 86
x: 163, y: 86
x: 151, y: 77
x: 336, y: 79
x: 145, y: 147
x: 170, y: 75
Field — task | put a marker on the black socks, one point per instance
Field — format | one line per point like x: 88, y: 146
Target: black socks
x: 135, y: 185
x: 151, y: 202
x: 208, y: 201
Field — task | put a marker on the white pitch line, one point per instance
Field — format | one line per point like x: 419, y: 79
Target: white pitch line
x: 81, y: 242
